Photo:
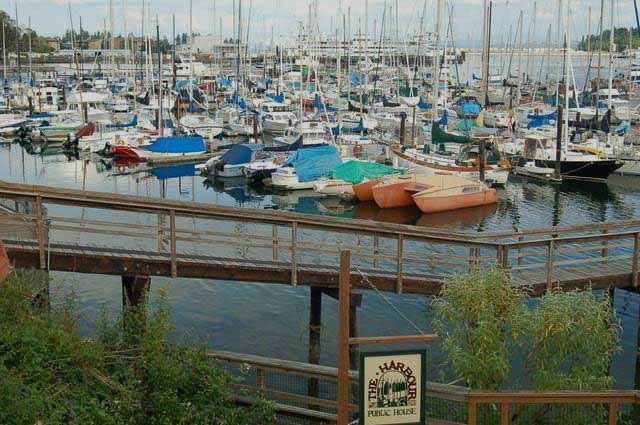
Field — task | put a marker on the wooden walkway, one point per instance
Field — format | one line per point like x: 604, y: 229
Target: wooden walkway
x: 91, y: 232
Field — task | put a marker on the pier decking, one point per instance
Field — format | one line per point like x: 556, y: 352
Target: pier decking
x: 104, y: 233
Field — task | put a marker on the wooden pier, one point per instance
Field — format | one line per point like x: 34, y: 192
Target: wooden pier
x: 104, y: 233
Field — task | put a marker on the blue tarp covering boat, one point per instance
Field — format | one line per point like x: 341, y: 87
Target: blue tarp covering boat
x: 423, y: 104
x: 549, y: 116
x: 277, y: 97
x: 241, y: 154
x: 470, y: 109
x: 314, y: 162
x: 224, y: 81
x: 190, y: 144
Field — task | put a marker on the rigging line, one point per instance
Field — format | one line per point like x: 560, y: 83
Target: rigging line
x: 388, y: 301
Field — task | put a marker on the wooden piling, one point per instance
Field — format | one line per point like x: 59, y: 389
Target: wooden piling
x: 135, y: 290
x: 315, y: 324
x: 343, y: 338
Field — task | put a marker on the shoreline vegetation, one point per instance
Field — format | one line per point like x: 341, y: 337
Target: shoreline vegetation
x: 131, y: 371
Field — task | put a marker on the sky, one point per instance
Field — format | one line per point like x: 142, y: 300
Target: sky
x: 51, y: 17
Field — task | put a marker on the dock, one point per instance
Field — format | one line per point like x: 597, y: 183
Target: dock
x: 104, y: 233
x: 182, y: 159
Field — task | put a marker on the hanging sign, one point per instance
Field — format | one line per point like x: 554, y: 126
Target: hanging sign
x: 392, y: 385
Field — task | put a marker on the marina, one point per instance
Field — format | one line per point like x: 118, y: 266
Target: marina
x: 253, y: 179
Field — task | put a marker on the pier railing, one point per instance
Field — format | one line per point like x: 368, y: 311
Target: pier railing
x: 100, y: 231
x: 305, y: 391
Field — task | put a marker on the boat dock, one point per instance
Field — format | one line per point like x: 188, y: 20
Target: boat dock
x: 104, y: 233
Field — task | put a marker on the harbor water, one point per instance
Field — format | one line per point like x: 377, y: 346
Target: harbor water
x: 273, y: 320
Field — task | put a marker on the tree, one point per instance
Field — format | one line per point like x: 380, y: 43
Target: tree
x: 567, y: 338
x: 475, y: 310
x: 43, y: 46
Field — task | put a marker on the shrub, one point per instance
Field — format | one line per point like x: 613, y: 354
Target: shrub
x: 131, y: 374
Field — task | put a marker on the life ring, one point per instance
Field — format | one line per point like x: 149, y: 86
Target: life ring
x: 121, y: 169
x: 119, y: 142
x: 357, y: 151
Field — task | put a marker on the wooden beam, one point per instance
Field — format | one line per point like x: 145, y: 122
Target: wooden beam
x: 392, y: 339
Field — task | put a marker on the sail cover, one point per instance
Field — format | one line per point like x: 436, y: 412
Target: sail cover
x: 241, y: 154
x: 314, y: 162
x: 440, y: 136
x: 191, y: 144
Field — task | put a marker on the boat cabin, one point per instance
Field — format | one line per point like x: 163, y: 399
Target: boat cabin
x: 273, y: 107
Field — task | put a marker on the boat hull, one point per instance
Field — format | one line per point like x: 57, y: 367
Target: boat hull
x: 364, y: 190
x: 392, y: 195
x: 433, y: 203
x: 581, y: 170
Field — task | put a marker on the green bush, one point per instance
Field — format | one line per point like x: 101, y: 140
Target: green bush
x: 567, y: 338
x: 131, y: 374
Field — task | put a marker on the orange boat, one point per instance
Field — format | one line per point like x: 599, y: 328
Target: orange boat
x: 390, y: 192
x: 364, y: 190
x: 445, y: 192
x: 5, y: 265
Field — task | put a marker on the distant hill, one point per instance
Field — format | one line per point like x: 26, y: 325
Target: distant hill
x: 620, y: 39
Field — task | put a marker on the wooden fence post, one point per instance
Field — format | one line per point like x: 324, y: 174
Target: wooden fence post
x: 376, y: 243
x: 274, y: 236
x: 504, y: 413
x: 174, y: 247
x: 40, y: 230
x: 550, y: 249
x: 399, y: 264
x: 613, y: 413
x: 294, y: 253
x: 473, y: 412
x: 343, y: 338
x: 634, y: 262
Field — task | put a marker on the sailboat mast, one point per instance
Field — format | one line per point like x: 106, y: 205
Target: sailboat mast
x: 190, y: 52
x: 160, y: 120
x: 18, y: 45
x: 560, y: 43
x: 238, y: 56
x: 436, y: 64
x: 611, y: 43
x: 30, y: 63
x: 532, y: 32
x: 567, y: 53
x: 4, y: 55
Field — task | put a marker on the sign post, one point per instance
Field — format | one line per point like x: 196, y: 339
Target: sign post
x: 403, y: 371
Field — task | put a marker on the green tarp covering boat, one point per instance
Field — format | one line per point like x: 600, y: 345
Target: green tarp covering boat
x: 440, y: 136
x: 466, y: 125
x: 358, y: 171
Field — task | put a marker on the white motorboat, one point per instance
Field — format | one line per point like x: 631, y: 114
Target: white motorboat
x: 233, y: 162
x: 201, y: 124
x: 277, y: 122
x: 333, y: 187
x: 312, y: 133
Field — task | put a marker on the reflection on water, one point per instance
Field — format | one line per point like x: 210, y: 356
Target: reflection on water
x: 272, y: 320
